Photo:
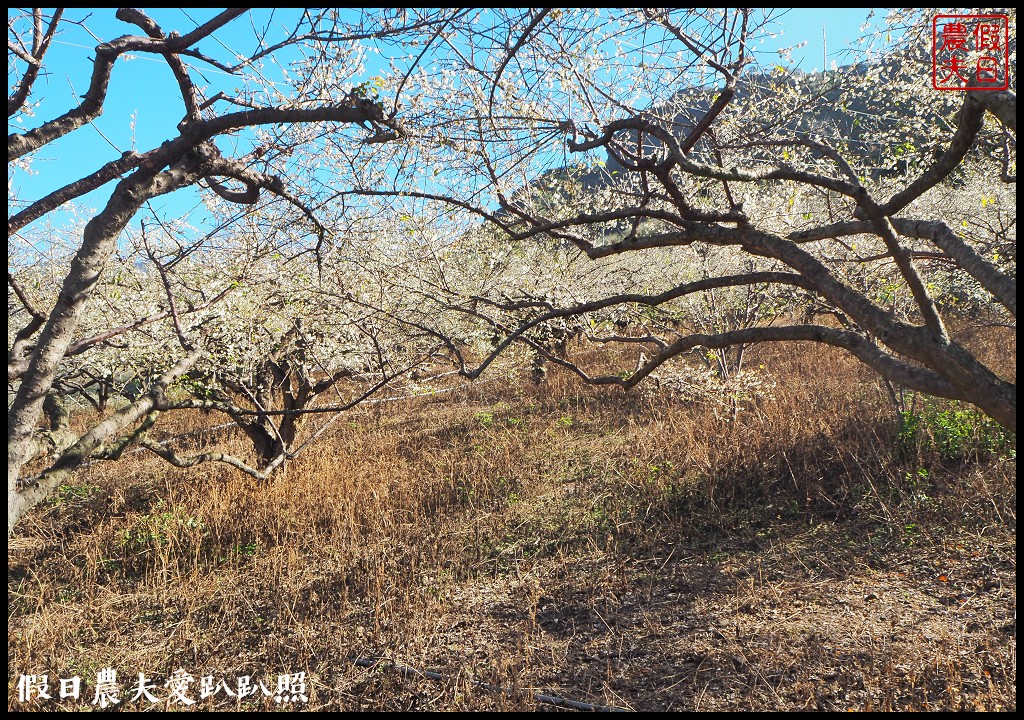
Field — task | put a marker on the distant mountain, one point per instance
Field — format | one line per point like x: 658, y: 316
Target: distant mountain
x: 854, y: 121
x: 880, y: 132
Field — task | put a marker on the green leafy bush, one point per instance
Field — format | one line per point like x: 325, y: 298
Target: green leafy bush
x: 955, y: 432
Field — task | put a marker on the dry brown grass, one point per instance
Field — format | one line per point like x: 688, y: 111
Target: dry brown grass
x: 619, y: 550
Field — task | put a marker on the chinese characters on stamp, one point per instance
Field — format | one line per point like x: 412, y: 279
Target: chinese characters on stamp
x: 970, y: 52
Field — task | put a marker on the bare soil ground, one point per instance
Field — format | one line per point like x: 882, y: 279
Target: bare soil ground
x: 476, y: 550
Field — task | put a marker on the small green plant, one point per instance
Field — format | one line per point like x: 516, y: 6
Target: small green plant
x: 565, y: 421
x: 917, y: 482
x: 656, y: 471
x: 71, y: 493
x: 484, y: 419
x: 911, y: 533
x: 69, y: 594
x: 600, y: 520
x: 158, y: 529
x: 248, y: 550
x: 464, y: 491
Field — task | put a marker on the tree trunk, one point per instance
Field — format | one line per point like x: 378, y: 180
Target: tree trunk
x: 98, y: 243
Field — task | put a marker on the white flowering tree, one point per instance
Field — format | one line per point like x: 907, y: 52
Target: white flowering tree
x: 660, y: 139
x: 114, y: 304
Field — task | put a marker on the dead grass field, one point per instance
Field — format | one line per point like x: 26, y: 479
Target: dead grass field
x: 619, y: 550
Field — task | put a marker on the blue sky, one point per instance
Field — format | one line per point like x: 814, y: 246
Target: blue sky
x: 830, y: 33
x: 143, y: 107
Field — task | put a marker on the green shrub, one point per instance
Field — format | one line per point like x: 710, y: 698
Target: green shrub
x: 955, y: 432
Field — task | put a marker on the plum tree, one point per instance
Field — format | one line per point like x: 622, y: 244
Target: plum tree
x: 50, y: 340
x: 659, y: 135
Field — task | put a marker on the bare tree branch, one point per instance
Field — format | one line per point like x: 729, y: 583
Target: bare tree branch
x: 40, y: 44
